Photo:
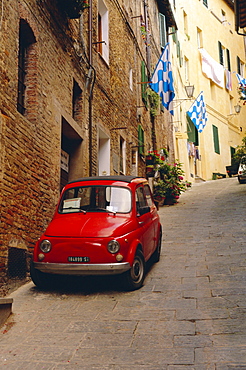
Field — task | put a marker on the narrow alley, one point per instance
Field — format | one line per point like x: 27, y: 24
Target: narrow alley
x: 190, y: 314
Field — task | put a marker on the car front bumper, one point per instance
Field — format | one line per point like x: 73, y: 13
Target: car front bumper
x: 82, y: 269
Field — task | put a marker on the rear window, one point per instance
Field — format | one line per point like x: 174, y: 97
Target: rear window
x: 96, y: 199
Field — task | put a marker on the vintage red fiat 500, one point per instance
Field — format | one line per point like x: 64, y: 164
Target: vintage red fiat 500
x: 102, y: 226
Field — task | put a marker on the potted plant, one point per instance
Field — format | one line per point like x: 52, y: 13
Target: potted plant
x: 171, y: 184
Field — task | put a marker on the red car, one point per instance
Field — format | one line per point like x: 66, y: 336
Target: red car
x: 102, y: 226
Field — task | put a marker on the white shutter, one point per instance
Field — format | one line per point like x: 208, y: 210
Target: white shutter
x: 163, y: 32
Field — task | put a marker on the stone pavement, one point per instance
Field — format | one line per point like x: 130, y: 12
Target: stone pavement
x: 190, y: 314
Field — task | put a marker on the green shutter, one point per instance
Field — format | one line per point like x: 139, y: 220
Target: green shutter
x: 216, y: 140
x: 232, y: 151
x: 192, y: 132
x: 174, y: 34
x: 140, y: 140
x: 221, y: 53
x: 163, y: 32
x: 238, y: 66
x: 228, y: 60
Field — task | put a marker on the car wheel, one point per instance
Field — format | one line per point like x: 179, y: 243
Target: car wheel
x: 40, y: 279
x: 134, y: 278
x: 157, y: 253
x: 239, y: 180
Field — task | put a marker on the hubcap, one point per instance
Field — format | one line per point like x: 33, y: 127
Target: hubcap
x: 137, y: 269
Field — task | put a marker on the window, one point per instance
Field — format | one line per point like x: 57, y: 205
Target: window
x: 163, y: 31
x: 122, y: 156
x: 77, y: 101
x: 130, y: 79
x: 140, y: 139
x: 221, y: 53
x: 192, y: 132
x: 240, y: 67
x: 148, y: 195
x: 199, y: 38
x: 26, y: 66
x: 99, y: 198
x: 216, y: 139
x: 140, y: 198
x: 228, y: 59
x: 103, y: 31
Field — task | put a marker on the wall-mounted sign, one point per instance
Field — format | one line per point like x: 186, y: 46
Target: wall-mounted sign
x: 64, y: 160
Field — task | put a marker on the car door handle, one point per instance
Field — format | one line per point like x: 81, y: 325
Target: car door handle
x: 141, y: 222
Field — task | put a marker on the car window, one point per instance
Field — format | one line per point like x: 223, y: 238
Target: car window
x: 148, y: 195
x: 140, y: 198
x: 243, y: 160
x: 96, y: 199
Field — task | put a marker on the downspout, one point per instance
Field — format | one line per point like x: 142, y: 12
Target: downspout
x: 147, y: 37
x: 91, y: 91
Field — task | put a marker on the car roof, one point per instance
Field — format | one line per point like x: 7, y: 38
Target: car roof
x: 122, y: 178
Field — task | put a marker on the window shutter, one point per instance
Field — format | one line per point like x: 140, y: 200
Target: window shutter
x: 221, y: 53
x: 192, y: 132
x: 163, y: 33
x: 232, y: 150
x: 174, y: 34
x: 140, y: 140
x: 228, y: 60
x: 238, y: 66
x: 216, y: 140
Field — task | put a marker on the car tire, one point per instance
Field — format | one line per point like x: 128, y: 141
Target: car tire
x: 40, y: 279
x: 239, y: 180
x: 157, y: 253
x: 133, y: 279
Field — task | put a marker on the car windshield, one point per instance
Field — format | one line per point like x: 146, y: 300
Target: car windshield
x: 243, y: 161
x: 96, y: 199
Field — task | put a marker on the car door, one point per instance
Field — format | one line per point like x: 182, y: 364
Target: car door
x: 154, y: 218
x: 145, y: 222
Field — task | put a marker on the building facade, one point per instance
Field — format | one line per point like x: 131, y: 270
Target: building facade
x: 208, y: 53
x: 74, y: 102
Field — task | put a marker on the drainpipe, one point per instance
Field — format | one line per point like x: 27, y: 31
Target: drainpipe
x: 91, y: 92
x: 147, y: 37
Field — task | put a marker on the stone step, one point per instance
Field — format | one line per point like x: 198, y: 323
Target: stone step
x: 5, y: 309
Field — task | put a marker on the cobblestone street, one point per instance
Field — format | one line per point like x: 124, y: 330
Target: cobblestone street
x: 190, y: 314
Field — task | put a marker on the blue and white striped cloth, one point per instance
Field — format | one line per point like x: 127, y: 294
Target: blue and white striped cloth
x: 197, y: 113
x: 241, y: 82
x: 162, y: 80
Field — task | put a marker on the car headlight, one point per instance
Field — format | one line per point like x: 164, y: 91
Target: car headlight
x: 45, y: 246
x: 113, y: 246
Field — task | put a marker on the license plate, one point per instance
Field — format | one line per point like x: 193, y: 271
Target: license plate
x: 78, y: 259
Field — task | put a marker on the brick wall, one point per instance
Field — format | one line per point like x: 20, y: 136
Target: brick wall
x: 30, y: 144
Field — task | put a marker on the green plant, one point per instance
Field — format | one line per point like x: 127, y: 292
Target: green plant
x: 170, y: 184
x: 240, y: 152
x: 154, y: 101
x: 242, y: 93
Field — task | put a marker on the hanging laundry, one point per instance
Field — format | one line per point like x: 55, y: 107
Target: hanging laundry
x: 212, y: 69
x: 228, y: 80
